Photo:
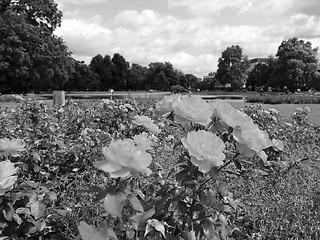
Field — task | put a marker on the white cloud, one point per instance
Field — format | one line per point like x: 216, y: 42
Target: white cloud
x: 214, y: 7
x: 207, y: 7
x: 84, y: 38
x: 192, y: 44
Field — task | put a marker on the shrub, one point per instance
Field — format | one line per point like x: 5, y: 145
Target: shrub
x: 284, y: 98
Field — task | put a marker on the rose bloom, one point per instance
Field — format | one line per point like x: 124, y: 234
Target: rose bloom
x: 251, y: 140
x: 205, y: 149
x: 192, y: 109
x: 229, y: 115
x: 165, y: 104
x: 147, y: 123
x: 143, y: 140
x: 123, y: 158
x: 11, y: 147
x: 7, y: 170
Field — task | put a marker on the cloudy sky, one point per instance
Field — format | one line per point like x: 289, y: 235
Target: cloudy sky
x: 191, y: 34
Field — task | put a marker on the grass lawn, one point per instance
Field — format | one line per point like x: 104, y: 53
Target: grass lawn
x: 288, y: 109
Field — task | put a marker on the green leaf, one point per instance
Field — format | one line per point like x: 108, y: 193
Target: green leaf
x: 113, y: 204
x: 214, y: 172
x: 17, y: 218
x: 91, y: 189
x: 52, y: 195
x: 237, y: 164
x: 37, y: 209
x: 177, y: 144
x: 130, y: 234
x: 8, y: 212
x: 154, y: 224
x: 36, y: 156
x: 23, y: 210
x: 209, y: 230
x: 62, y: 212
x: 87, y: 232
x: 139, y: 219
x: 222, y: 190
x: 134, y: 201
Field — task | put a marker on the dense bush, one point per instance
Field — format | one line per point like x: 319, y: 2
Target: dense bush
x: 56, y: 187
x: 283, y: 98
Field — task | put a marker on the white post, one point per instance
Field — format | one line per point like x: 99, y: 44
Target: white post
x: 59, y: 98
x: 111, y: 93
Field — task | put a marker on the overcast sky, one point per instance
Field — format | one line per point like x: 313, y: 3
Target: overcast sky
x: 191, y: 34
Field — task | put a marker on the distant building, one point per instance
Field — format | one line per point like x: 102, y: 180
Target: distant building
x: 258, y: 60
x: 208, y: 78
x: 254, y: 62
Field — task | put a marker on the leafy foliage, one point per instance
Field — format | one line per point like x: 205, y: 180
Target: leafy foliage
x: 283, y: 98
x: 32, y: 58
x: 232, y: 67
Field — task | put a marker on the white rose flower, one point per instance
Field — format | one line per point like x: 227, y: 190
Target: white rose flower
x: 123, y: 158
x: 192, y: 109
x: 205, y: 149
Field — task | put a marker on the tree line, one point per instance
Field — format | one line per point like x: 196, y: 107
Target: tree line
x: 32, y: 58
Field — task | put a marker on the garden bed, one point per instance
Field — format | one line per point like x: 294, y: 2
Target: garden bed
x: 58, y: 185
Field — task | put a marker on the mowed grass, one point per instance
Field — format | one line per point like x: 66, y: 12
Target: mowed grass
x: 287, y: 109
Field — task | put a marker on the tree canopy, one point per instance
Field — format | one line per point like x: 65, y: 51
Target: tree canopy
x: 232, y: 66
x: 261, y: 73
x: 296, y: 65
x: 31, y: 57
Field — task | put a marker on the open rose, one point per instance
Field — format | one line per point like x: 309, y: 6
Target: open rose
x: 251, y: 140
x: 229, y: 115
x: 11, y: 147
x: 147, y: 123
x: 165, y: 104
x: 192, y: 109
x: 7, y: 170
x: 205, y: 149
x: 144, y: 140
x: 124, y: 157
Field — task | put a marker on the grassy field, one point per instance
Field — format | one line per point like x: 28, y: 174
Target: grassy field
x: 288, y: 109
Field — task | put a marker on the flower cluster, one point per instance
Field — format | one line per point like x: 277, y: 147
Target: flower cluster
x: 250, y: 139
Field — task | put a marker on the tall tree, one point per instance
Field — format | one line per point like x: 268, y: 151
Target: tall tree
x: 42, y: 13
x: 172, y: 76
x: 119, y: 73
x: 232, y: 67
x: 83, y: 78
x: 192, y: 81
x: 135, y: 77
x: 103, y: 68
x: 296, y: 65
x: 31, y: 57
x: 261, y: 73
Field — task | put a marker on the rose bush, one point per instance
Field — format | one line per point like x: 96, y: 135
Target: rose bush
x: 180, y: 199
